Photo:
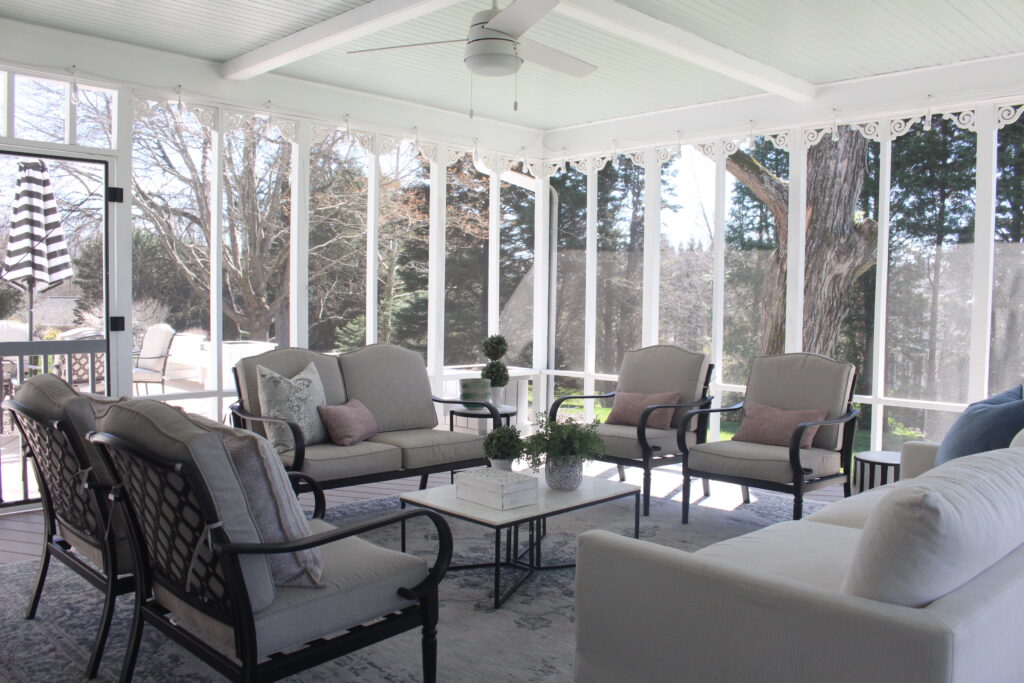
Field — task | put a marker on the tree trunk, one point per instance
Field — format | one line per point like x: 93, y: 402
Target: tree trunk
x: 839, y: 249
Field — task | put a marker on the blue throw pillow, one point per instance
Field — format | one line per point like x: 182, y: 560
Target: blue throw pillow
x: 984, y: 426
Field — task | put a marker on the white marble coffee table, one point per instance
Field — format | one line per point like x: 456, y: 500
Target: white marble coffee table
x: 549, y: 503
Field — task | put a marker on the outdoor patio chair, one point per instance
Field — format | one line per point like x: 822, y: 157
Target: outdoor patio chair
x: 151, y: 358
x: 795, y: 435
x: 681, y: 378
x: 202, y: 511
x: 79, y: 527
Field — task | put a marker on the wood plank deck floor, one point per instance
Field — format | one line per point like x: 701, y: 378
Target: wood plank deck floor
x: 21, y: 532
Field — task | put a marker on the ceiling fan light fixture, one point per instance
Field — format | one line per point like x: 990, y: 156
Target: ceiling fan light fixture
x: 493, y: 63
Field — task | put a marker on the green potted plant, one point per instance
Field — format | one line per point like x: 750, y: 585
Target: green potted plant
x: 502, y: 446
x: 495, y: 371
x: 562, y: 447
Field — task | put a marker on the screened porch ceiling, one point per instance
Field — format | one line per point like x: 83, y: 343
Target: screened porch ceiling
x: 786, y: 43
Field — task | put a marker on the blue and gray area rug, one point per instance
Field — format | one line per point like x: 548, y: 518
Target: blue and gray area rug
x: 529, y: 639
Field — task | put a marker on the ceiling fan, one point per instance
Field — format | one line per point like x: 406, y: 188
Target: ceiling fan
x: 495, y: 46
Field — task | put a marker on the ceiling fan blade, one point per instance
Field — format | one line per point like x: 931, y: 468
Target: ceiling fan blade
x: 398, y: 47
x: 538, y: 53
x: 520, y: 15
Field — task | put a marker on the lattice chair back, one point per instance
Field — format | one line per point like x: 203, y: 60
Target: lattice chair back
x: 174, y: 527
x: 64, y: 474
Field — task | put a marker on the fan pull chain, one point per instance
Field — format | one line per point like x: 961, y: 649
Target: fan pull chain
x: 515, y: 91
x: 470, y: 94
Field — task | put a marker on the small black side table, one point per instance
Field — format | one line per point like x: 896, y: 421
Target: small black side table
x: 884, y: 461
x: 507, y: 412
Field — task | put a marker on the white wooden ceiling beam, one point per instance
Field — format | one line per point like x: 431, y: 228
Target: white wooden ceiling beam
x: 362, y: 21
x: 630, y: 24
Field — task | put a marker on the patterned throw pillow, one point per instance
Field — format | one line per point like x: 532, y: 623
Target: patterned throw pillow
x: 774, y: 427
x: 293, y: 399
x: 627, y: 407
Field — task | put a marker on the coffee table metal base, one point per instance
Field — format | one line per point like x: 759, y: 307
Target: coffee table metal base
x: 514, y: 557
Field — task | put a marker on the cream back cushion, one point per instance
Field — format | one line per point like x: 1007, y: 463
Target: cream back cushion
x: 930, y: 536
x: 1018, y: 441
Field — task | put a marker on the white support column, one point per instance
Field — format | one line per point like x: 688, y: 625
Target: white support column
x: 718, y: 285
x: 590, y: 294
x: 796, y: 242
x: 435, y: 268
x: 119, y: 250
x: 541, y: 273
x: 298, y: 254
x: 494, y: 250
x: 652, y: 247
x: 216, y: 200
x: 372, y: 234
x: 984, y: 252
x: 881, y: 281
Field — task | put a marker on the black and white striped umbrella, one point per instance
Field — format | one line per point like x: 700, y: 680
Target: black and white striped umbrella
x: 37, y: 256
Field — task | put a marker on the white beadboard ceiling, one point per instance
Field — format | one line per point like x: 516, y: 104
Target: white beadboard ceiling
x: 820, y: 41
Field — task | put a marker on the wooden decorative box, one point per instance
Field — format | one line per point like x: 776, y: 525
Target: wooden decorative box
x: 498, y: 489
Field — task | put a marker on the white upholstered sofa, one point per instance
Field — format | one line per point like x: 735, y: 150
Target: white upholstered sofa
x: 918, y: 581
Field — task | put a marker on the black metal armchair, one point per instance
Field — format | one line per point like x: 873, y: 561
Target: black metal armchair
x: 80, y: 528
x: 652, y: 370
x: 198, y: 585
x: 793, y: 381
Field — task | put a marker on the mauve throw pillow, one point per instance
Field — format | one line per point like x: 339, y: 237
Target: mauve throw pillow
x: 348, y: 424
x: 774, y: 427
x: 984, y: 426
x: 627, y: 407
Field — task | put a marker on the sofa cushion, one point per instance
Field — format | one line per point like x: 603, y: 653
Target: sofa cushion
x: 774, y: 426
x: 429, y: 447
x: 328, y: 461
x: 854, y: 511
x: 758, y: 461
x: 273, y: 502
x: 620, y: 441
x: 984, y: 426
x: 362, y: 582
x: 292, y: 398
x: 815, y: 554
x: 392, y: 382
x: 935, y: 533
x: 627, y: 408
x: 348, y: 424
x: 288, y: 362
x: 167, y: 432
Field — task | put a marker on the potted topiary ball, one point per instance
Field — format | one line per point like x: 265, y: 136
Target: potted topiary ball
x: 495, y: 347
x: 503, y: 446
x: 562, y: 447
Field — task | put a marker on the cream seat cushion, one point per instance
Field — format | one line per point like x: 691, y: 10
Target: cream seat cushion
x: 362, y: 582
x: 327, y: 461
x: 620, y: 441
x: 815, y: 554
x: 429, y: 447
x: 935, y: 533
x: 759, y: 461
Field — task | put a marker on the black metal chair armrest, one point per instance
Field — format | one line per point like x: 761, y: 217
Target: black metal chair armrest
x: 798, y: 434
x: 684, y: 421
x: 436, y: 573
x: 641, y: 424
x: 553, y: 411
x: 300, y: 444
x: 319, y: 501
x: 491, y: 408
